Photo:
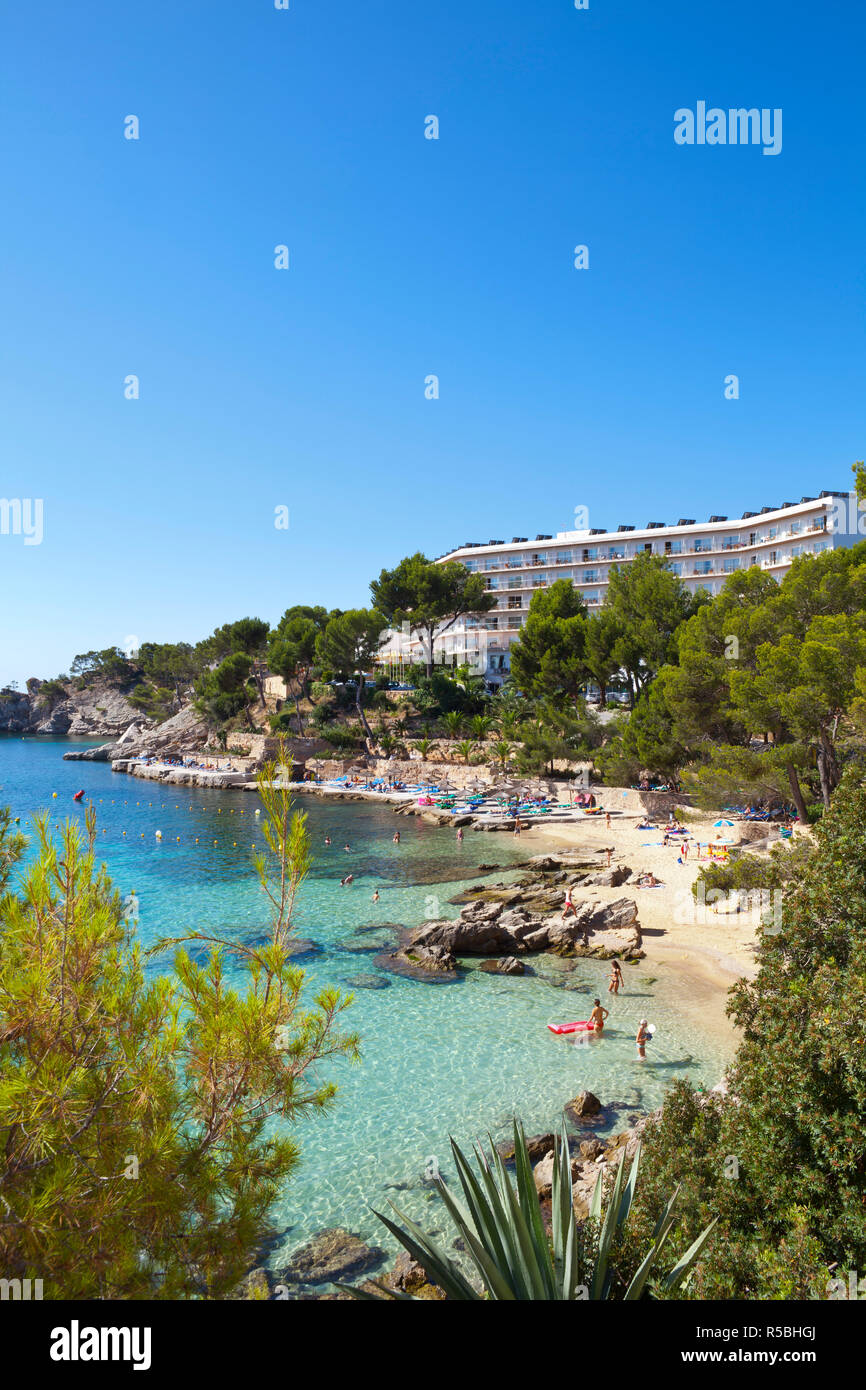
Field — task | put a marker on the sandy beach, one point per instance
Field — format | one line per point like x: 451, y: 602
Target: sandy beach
x: 709, y: 951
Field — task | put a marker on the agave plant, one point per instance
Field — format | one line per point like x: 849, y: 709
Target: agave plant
x: 503, y: 1232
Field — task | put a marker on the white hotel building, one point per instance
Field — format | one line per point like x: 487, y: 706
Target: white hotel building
x: 703, y: 555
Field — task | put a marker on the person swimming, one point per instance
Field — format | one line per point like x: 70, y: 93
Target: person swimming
x: 598, y: 1016
x: 375, y: 897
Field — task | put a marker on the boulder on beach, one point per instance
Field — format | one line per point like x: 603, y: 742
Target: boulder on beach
x: 408, y: 1276
x: 608, y: 878
x: 591, y: 1149
x: 543, y: 1173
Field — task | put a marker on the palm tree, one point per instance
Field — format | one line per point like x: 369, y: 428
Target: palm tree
x: 452, y: 722
x: 425, y: 746
x: 464, y: 749
x: 508, y: 724
x: 501, y: 753
x: 480, y: 725
x: 503, y: 1233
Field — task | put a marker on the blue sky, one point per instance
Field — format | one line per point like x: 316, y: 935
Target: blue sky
x: 305, y: 388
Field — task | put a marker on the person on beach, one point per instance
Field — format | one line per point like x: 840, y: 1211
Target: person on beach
x: 608, y: 852
x: 598, y: 1016
x: 569, y: 905
x: 607, y: 819
x: 642, y: 1039
x: 616, y: 980
x: 649, y: 880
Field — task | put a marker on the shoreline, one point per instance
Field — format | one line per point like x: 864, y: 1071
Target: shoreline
x: 709, y: 956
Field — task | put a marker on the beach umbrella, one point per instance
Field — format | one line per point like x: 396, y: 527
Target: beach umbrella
x: 723, y: 822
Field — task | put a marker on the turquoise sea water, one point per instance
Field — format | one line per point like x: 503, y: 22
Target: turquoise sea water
x: 442, y: 1058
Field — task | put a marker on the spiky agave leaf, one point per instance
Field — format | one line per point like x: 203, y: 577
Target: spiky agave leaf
x: 503, y: 1232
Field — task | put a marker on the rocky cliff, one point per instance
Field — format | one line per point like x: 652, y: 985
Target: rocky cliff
x: 97, y: 711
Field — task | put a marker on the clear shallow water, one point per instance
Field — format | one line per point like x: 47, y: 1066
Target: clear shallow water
x: 438, y: 1059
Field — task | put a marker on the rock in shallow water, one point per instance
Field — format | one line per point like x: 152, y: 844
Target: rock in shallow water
x: 332, y: 1254
x: 584, y: 1104
x: 507, y: 965
x: 368, y: 981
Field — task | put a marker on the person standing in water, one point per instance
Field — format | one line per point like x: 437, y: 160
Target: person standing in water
x: 460, y: 835
x: 375, y: 897
x: 642, y: 1039
x: 598, y: 1016
x: 616, y: 980
x: 396, y: 837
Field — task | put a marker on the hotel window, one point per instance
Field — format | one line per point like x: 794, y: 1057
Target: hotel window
x: 492, y: 584
x: 538, y: 581
x: 615, y: 552
x: 795, y: 528
x: 677, y: 569
x: 515, y: 584
x: 773, y: 532
x: 752, y: 535
x: 563, y: 557
x: 703, y: 566
x: 515, y: 603
x: 819, y: 546
x: 673, y: 547
x: 470, y: 565
x: 591, y: 553
x: 590, y: 576
x: 590, y: 596
x: 702, y: 544
x: 731, y: 565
